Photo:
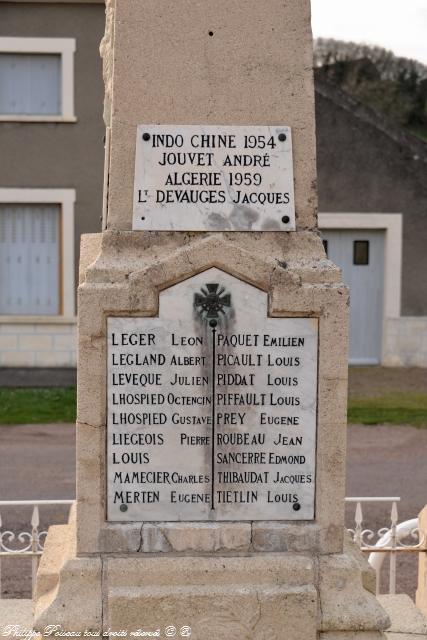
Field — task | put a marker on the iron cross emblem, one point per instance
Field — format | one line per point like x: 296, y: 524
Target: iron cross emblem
x: 212, y: 300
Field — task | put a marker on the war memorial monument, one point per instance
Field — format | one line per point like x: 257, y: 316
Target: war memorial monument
x: 212, y: 370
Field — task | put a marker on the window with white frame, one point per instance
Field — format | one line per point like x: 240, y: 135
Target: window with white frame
x: 29, y: 259
x: 37, y: 252
x: 37, y: 79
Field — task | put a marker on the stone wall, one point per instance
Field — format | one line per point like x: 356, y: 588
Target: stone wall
x: 405, y: 342
x: 36, y: 344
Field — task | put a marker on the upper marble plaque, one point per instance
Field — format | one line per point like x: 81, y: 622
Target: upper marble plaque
x: 211, y: 408
x: 221, y: 178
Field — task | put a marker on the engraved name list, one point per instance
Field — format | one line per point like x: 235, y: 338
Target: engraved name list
x: 211, y: 408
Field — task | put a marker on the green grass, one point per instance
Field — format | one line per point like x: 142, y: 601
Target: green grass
x: 24, y: 406
x: 397, y: 408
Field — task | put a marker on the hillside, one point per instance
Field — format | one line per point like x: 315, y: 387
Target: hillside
x: 395, y: 87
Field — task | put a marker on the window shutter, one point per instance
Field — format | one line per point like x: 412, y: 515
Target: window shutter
x: 30, y: 84
x: 29, y: 259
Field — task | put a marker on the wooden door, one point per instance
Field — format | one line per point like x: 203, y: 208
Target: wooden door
x: 360, y: 255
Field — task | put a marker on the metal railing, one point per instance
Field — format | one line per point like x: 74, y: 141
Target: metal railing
x: 390, y: 539
x: 26, y: 543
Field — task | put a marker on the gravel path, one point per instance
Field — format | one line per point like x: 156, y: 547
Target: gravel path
x: 38, y: 461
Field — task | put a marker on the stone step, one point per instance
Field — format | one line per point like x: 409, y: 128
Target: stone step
x: 407, y: 621
x: 16, y: 617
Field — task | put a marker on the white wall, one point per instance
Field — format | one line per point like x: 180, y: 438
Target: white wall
x: 36, y: 344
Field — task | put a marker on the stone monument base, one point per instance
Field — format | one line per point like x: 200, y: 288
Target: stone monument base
x: 225, y: 580
x: 223, y: 597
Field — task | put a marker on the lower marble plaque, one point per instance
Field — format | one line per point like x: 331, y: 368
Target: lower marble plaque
x: 211, y: 408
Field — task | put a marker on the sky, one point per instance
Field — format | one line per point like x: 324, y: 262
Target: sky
x: 399, y: 25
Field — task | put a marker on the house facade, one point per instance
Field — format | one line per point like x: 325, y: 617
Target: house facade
x: 51, y: 172
x: 372, y: 194
x: 373, y: 201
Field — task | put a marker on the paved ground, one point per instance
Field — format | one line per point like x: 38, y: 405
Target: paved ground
x: 371, y: 382
x: 37, y: 461
x: 38, y: 377
x: 389, y: 461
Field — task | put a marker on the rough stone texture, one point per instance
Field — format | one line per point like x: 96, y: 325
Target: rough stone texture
x: 269, y: 569
x: 166, y: 537
x: 283, y: 536
x: 405, y: 636
x: 125, y: 279
x: 15, y: 613
x: 196, y: 537
x: 421, y: 595
x: 405, y: 617
x: 68, y: 590
x: 247, y: 72
x: 267, y: 537
x: 59, y: 546
x: 90, y: 484
x: 345, y: 603
x: 350, y: 635
x: 407, y: 622
x: 212, y: 595
x: 90, y: 246
x: 124, y: 537
x: 106, y: 52
x: 219, y: 599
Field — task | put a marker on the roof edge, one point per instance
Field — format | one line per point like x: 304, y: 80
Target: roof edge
x: 359, y: 110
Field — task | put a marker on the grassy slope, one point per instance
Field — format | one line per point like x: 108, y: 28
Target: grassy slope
x: 25, y: 406
x: 398, y: 408
x: 379, y: 395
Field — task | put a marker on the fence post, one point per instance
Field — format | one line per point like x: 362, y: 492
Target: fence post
x: 421, y: 595
x: 35, y: 521
x: 393, y: 544
x: 1, y: 545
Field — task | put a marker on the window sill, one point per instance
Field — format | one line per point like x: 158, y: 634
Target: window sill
x: 12, y: 118
x: 38, y: 319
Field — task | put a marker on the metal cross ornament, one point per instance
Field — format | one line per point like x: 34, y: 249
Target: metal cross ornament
x: 212, y: 301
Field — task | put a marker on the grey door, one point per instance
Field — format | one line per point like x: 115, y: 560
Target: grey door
x: 360, y: 254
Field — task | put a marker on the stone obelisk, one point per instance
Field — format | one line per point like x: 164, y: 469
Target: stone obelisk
x: 212, y: 372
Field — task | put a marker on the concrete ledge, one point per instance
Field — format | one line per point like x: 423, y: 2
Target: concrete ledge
x: 407, y: 621
x: 15, y: 613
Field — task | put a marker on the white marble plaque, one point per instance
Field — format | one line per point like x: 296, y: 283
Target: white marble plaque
x: 211, y: 408
x: 213, y: 178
